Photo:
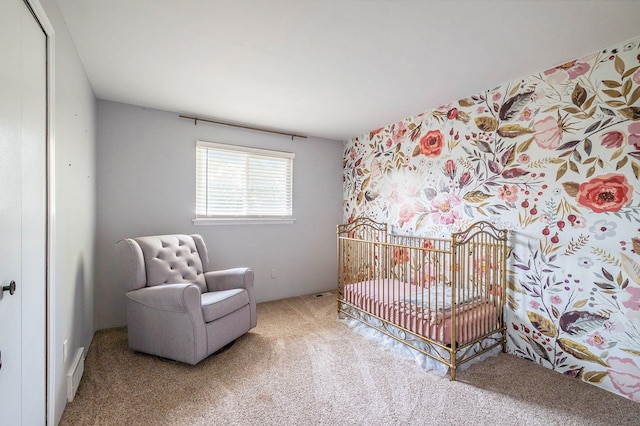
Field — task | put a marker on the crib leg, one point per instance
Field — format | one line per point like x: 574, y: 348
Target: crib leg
x: 452, y: 352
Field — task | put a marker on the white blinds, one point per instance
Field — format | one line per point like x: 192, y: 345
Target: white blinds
x: 240, y: 182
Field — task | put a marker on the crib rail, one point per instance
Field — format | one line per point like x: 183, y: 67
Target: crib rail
x: 441, y: 296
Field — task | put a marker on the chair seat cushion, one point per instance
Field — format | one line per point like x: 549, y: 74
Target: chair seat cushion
x: 216, y: 304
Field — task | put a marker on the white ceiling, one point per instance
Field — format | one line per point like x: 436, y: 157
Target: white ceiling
x: 328, y: 68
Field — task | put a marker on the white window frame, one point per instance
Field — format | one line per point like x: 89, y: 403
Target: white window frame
x: 239, y: 218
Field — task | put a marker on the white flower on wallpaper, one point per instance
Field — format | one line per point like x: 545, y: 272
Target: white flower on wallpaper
x: 555, y: 158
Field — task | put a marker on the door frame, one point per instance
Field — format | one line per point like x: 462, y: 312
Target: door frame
x: 50, y: 358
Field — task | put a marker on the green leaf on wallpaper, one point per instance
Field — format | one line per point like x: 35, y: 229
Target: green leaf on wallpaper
x: 604, y: 286
x: 588, y: 103
x: 580, y: 303
x: 621, y: 163
x: 613, y: 93
x: 619, y: 65
x: 514, y: 105
x: 538, y: 348
x: 422, y: 220
x: 524, y: 145
x: 594, y: 376
x: 567, y: 145
x: 573, y: 166
x: 636, y: 169
x: 632, y: 351
x: 365, y: 183
x: 508, y: 156
x: 630, y: 113
x: 467, y: 102
x: 587, y: 146
x: 591, y: 171
x: 483, y: 146
x: 631, y: 267
x: 543, y: 324
x: 615, y: 104
x: 571, y: 188
x: 612, y: 84
x: 513, y: 131
x: 617, y: 153
x: 579, y: 95
x: 630, y: 71
x: 475, y: 196
x: 416, y: 151
x: 626, y: 87
x: 359, y: 198
x: 561, y: 171
x: 635, y: 96
x: 486, y: 124
x: 579, y: 351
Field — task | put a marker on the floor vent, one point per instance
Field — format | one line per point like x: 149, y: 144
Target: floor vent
x: 328, y: 293
x: 75, y: 374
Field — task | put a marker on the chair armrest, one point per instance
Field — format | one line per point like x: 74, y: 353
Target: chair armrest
x: 184, y: 297
x: 227, y: 279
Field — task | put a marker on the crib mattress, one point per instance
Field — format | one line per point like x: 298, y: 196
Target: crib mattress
x: 402, y: 304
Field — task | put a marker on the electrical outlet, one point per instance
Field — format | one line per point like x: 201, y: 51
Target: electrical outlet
x: 65, y: 350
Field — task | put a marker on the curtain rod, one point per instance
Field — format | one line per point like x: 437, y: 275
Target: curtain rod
x: 206, y: 120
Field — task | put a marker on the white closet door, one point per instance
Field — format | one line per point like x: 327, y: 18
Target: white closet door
x: 23, y: 141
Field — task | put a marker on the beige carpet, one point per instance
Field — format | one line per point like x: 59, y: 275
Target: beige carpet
x: 302, y: 367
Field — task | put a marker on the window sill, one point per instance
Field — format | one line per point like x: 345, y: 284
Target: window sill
x: 243, y: 221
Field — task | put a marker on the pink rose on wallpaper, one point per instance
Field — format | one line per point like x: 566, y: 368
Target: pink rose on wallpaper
x: 547, y: 133
x: 508, y: 193
x: 524, y: 158
x: 555, y: 299
x: 398, y: 132
x: 442, y: 208
x: 449, y: 169
x: 570, y: 70
x: 607, y: 193
x: 612, y: 139
x: 636, y: 77
x: 401, y: 255
x: 534, y: 304
x: 634, y: 299
x: 525, y: 115
x: 464, y: 179
x: 634, y: 135
x: 597, y: 340
x: 431, y: 143
x: 375, y: 169
x: 406, y: 213
x: 625, y: 376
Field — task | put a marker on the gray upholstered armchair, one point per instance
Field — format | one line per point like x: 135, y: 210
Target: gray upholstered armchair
x: 176, y: 307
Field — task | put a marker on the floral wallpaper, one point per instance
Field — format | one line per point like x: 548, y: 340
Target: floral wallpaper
x: 555, y: 158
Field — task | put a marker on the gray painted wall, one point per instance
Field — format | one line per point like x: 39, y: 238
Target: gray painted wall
x: 146, y: 186
x: 74, y: 160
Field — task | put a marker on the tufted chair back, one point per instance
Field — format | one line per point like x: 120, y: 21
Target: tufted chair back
x: 166, y: 259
